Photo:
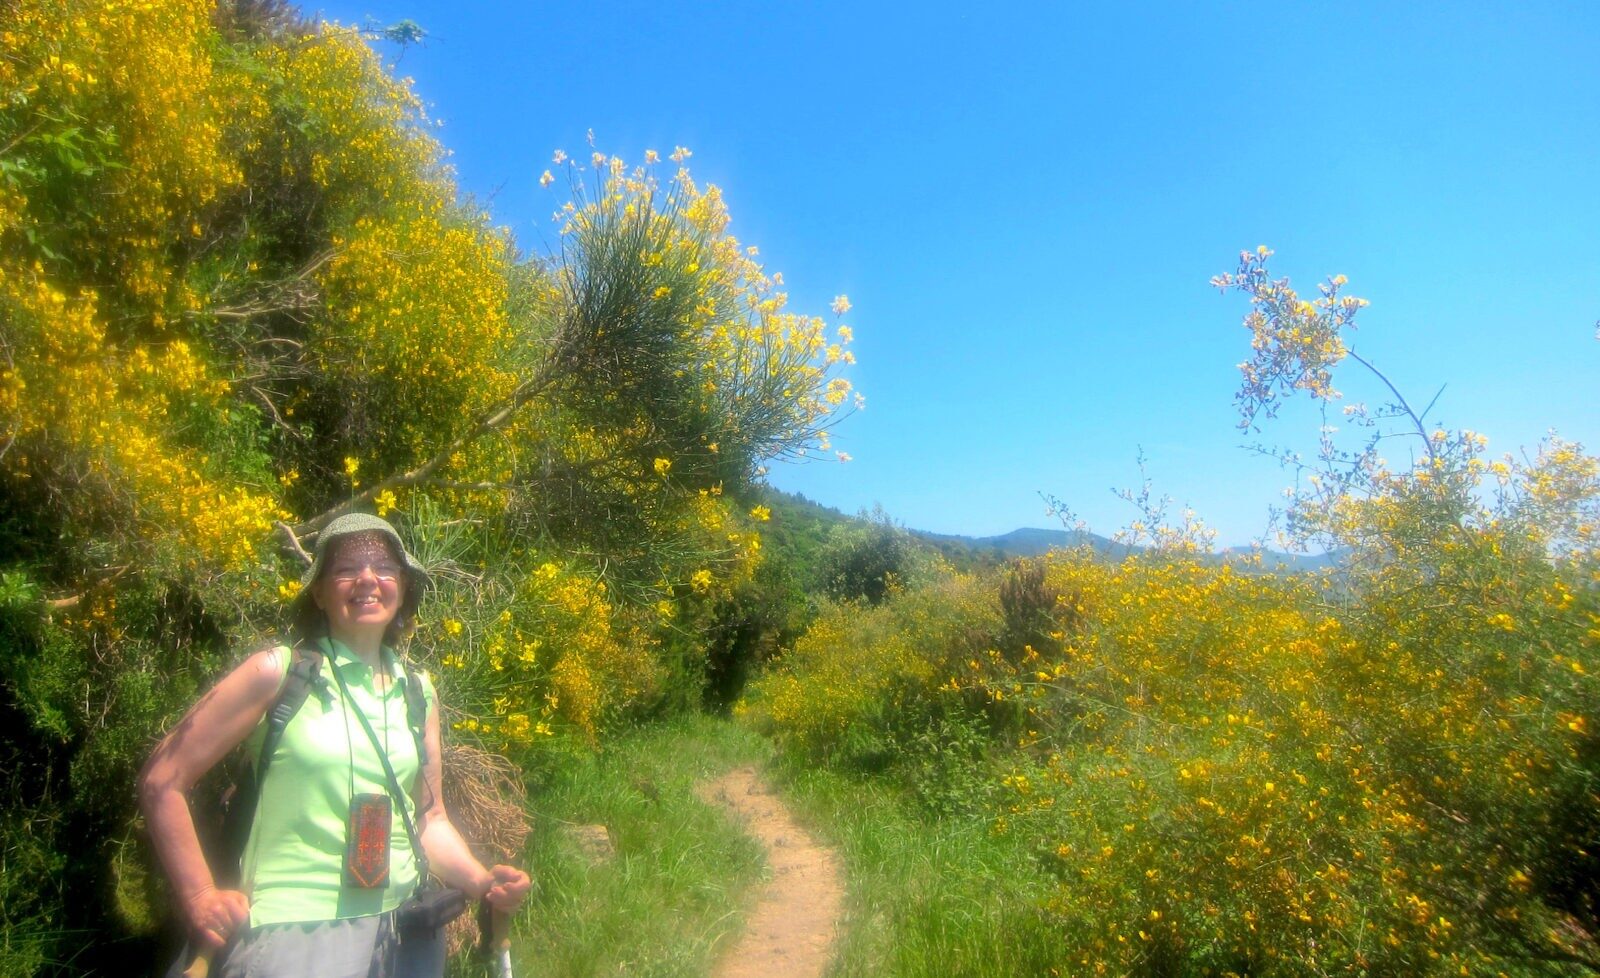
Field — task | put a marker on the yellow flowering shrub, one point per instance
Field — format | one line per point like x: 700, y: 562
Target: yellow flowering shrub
x: 114, y: 126
x: 542, y: 654
x: 1229, y: 773
x: 416, y: 333
x: 79, y: 412
x: 360, y: 131
x: 863, y: 675
x: 722, y: 374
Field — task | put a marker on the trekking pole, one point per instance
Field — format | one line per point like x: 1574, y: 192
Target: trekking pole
x: 500, y: 941
x: 200, y: 964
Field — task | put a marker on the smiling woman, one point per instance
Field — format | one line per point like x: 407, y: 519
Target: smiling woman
x: 366, y: 594
x: 361, y: 591
x: 329, y: 881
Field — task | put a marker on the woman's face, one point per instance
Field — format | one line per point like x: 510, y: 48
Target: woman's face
x: 361, y: 587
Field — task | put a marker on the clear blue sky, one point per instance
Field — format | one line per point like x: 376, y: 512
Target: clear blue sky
x: 1025, y: 203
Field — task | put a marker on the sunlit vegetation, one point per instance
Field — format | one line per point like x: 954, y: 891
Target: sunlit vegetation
x: 239, y: 294
x: 1388, y: 768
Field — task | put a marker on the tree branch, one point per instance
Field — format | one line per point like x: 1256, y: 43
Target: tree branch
x: 1422, y: 431
x: 294, y: 542
x: 494, y: 419
x: 277, y: 418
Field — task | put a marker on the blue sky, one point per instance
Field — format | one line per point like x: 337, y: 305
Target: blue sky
x: 1025, y: 205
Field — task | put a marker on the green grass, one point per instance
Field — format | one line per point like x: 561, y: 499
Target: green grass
x: 672, y: 895
x: 927, y: 897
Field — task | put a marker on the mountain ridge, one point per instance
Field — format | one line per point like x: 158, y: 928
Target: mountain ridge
x: 1034, y: 541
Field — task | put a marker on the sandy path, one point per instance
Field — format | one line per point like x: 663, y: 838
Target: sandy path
x: 790, y: 932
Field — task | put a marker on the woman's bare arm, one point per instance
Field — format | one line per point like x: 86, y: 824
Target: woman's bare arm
x: 449, y: 857
x: 215, y: 725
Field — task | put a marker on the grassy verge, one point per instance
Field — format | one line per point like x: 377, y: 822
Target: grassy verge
x: 670, y: 896
x: 927, y: 897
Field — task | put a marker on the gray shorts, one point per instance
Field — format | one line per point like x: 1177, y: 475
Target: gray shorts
x: 353, y: 947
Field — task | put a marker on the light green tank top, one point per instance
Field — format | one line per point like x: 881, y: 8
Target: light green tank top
x: 293, y: 860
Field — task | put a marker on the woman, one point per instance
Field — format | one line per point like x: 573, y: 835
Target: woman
x: 301, y: 910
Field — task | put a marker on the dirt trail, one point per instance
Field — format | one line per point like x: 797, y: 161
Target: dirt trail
x: 791, y: 931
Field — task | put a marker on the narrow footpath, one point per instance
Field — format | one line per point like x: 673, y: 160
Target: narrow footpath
x: 791, y: 931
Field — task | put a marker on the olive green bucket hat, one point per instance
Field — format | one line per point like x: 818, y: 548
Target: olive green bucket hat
x: 303, y: 608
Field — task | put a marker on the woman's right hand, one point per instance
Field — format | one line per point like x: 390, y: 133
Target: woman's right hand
x: 213, y: 915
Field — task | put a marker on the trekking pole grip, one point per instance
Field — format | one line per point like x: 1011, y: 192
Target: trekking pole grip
x: 200, y: 964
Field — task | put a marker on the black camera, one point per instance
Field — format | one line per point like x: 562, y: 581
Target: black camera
x: 427, y: 910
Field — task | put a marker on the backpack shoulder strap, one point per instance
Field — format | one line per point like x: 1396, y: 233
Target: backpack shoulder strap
x: 416, y: 711
x: 305, y: 670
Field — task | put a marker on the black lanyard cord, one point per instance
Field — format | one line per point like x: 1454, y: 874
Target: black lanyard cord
x: 349, y: 741
x: 394, y: 783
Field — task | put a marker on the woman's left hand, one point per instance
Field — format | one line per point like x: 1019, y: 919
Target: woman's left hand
x: 507, y: 886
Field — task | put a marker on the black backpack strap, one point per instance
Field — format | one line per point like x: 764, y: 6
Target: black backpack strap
x: 304, y: 673
x: 417, y: 720
x: 416, y: 713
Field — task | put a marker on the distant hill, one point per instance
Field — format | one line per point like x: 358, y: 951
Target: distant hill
x: 1032, y: 541
x: 1274, y: 560
x: 1029, y: 541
